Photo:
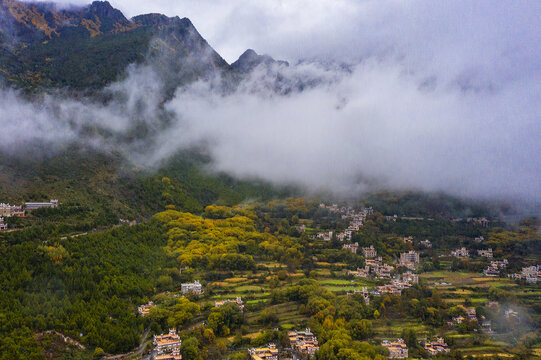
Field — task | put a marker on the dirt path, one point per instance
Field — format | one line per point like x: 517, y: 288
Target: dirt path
x: 136, y: 352
x: 65, y: 338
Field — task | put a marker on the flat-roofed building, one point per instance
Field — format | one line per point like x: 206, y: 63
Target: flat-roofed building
x: 485, y: 253
x: 305, y: 342
x: 175, y: 355
x: 144, y: 310
x: 40, y: 205
x: 193, y: 288
x: 369, y: 252
x: 167, y: 343
x: 461, y: 253
x: 237, y: 301
x: 351, y: 247
x: 409, y: 257
x: 436, y: 347
x: 269, y: 352
x: 7, y: 210
x: 3, y: 226
x: 397, y: 349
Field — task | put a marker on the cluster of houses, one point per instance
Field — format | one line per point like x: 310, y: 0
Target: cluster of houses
x: 304, y: 342
x: 357, y: 220
x: 397, y: 349
x: 144, y: 310
x: 167, y: 346
x: 237, y: 301
x: 269, y: 352
x: 409, y: 259
x: 483, y: 222
x: 396, y: 286
x: 464, y: 253
x: 436, y: 347
x: 378, y: 268
x: 192, y: 288
x: 7, y: 210
x: 531, y: 274
x: 493, y: 270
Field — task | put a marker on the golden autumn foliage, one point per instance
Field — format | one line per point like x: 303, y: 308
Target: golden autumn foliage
x: 223, y: 237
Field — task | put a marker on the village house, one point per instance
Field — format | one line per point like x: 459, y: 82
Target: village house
x: 193, y: 288
x: 327, y: 236
x: 471, y: 314
x: 491, y: 271
x: 479, y: 221
x: 237, y: 301
x: 426, y: 243
x: 485, y: 253
x: 410, y: 277
x: 175, y: 355
x: 408, y: 239
x: 435, y: 347
x: 383, y: 270
x: 301, y: 228
x: 363, y: 292
x: 270, y: 352
x: 360, y: 272
x: 511, y: 314
x: 351, y: 247
x: 39, y: 205
x: 391, y: 218
x: 409, y: 259
x: 479, y: 239
x: 167, y: 344
x: 7, y: 210
x: 3, y: 226
x: 369, y: 252
x: 128, y: 222
x: 397, y: 349
x: 144, y: 310
x: 493, y: 305
x: 461, y: 253
x: 374, y: 262
x: 305, y: 342
x: 502, y: 264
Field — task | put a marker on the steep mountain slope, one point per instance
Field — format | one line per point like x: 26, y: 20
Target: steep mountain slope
x: 89, y: 47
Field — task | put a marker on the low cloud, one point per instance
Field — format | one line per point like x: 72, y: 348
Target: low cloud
x: 420, y: 95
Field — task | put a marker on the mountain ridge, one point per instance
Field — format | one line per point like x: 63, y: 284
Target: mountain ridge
x: 43, y: 46
x: 87, y: 47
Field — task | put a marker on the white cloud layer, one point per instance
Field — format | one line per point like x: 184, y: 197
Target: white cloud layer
x: 441, y: 95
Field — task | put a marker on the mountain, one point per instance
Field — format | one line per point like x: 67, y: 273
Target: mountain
x: 89, y: 47
x: 249, y: 60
